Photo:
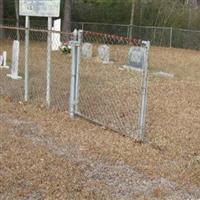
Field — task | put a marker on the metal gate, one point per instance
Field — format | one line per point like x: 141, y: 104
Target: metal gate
x: 107, y: 93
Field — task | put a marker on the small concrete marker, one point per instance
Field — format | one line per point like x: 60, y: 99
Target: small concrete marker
x: 104, y: 54
x: 87, y: 50
x: 3, y: 61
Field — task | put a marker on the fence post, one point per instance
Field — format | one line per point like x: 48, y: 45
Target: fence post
x: 171, y: 36
x: 49, y: 50
x: 26, y: 78
x: 127, y: 31
x: 82, y: 26
x: 78, y: 57
x: 72, y: 100
x: 143, y: 104
x: 130, y: 32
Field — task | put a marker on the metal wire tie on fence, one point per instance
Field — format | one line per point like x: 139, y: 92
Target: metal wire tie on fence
x: 77, y: 43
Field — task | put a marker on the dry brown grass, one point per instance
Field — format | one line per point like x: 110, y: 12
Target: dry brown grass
x: 173, y: 126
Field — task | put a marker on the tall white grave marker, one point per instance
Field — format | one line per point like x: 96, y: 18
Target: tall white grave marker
x: 15, y: 61
x: 56, y: 42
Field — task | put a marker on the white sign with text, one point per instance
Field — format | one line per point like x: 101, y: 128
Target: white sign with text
x: 39, y: 8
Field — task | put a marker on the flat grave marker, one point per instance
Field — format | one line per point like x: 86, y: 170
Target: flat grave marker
x: 164, y: 74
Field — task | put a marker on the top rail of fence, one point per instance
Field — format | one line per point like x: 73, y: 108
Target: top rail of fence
x: 33, y: 29
x: 109, y: 24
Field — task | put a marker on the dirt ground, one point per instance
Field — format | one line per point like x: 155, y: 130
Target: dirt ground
x: 46, y: 155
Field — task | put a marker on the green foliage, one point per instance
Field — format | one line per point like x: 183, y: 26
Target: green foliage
x: 107, y: 11
x: 147, y: 12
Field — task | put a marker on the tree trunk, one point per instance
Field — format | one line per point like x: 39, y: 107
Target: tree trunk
x: 132, y: 19
x: 17, y: 18
x: 1, y: 18
x: 67, y: 16
x: 141, y: 12
x: 192, y: 4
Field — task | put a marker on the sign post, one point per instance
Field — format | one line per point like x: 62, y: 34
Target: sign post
x: 39, y: 8
x: 49, y: 46
x: 26, y: 78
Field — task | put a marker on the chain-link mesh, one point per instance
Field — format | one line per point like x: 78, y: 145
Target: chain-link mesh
x: 37, y: 63
x: 10, y: 88
x: 159, y: 36
x: 186, y: 39
x: 109, y: 94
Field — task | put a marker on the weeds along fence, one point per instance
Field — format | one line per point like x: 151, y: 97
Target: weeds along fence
x: 159, y: 36
x: 104, y: 93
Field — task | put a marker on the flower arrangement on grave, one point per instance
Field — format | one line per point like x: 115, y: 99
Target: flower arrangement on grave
x: 65, y: 48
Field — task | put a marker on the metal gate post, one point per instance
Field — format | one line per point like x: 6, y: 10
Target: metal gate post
x: 80, y: 34
x: 171, y: 36
x: 72, y: 100
x: 143, y: 108
x: 49, y: 50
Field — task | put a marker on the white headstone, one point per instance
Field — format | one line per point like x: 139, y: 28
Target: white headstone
x: 56, y: 42
x: 15, y: 61
x: 1, y: 60
x: 104, y: 53
x: 5, y: 60
x: 87, y: 49
x: 136, y: 58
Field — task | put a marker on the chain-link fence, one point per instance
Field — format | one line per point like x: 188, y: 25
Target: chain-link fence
x: 108, y: 93
x: 37, y: 67
x: 12, y: 89
x: 159, y: 36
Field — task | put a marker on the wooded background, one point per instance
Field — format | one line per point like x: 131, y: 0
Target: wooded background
x: 168, y: 13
